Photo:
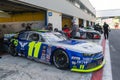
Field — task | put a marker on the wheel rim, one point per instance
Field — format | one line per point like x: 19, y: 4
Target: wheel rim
x: 61, y: 59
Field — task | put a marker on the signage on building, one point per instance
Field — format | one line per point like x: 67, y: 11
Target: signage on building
x: 49, y: 13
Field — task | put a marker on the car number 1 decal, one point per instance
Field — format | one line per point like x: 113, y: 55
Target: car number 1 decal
x: 33, y: 46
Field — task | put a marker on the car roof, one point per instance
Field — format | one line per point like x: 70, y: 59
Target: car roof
x: 41, y: 31
x: 88, y: 30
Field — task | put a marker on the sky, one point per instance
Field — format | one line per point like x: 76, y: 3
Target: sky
x: 105, y: 4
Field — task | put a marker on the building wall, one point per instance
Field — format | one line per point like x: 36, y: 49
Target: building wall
x: 89, y: 5
x: 55, y: 18
x: 62, y: 6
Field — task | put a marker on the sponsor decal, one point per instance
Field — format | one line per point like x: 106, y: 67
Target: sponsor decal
x: 48, y: 53
x: 79, y: 62
x: 15, y: 41
x: 82, y: 62
x: 43, y: 55
x: 23, y: 44
x: 75, y: 67
x: 87, y: 59
x: 82, y: 66
x: 74, y: 62
x: 75, y: 58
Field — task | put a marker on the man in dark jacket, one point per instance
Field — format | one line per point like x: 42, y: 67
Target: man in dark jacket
x: 106, y: 30
x: 74, y: 30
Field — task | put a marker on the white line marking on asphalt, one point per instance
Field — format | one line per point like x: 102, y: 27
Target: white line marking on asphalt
x: 113, y: 49
x: 107, y: 72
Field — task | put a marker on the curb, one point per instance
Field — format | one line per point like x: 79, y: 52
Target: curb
x: 97, y: 75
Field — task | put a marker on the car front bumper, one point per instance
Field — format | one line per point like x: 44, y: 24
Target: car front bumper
x: 89, y: 70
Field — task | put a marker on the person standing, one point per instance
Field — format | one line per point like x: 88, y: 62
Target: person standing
x: 106, y: 30
x: 50, y: 27
x: 28, y: 27
x: 74, y: 30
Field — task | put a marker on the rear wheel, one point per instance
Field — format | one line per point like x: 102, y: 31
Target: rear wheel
x: 12, y: 50
x: 60, y: 59
x: 89, y: 36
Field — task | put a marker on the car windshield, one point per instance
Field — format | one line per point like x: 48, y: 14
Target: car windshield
x: 53, y: 37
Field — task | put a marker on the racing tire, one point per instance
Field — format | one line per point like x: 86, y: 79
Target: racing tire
x: 60, y: 59
x: 12, y: 50
x: 89, y: 36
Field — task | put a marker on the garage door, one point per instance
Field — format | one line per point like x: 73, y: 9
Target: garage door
x: 20, y: 16
x: 36, y: 16
x: 87, y: 23
x: 80, y: 22
x: 66, y: 21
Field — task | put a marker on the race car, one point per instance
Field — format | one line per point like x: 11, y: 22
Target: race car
x: 8, y: 36
x: 87, y: 34
x: 51, y: 48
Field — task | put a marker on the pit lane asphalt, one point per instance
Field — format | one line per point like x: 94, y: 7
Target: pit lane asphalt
x: 114, y: 40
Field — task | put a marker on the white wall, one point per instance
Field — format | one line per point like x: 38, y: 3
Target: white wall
x: 108, y: 13
x: 84, y: 23
x: 55, y: 19
x: 62, y: 6
x: 89, y: 5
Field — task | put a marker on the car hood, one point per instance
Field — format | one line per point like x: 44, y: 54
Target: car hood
x: 79, y: 46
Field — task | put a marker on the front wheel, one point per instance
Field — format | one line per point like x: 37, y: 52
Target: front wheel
x: 12, y: 50
x: 60, y: 59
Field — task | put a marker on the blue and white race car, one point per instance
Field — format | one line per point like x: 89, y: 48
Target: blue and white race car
x: 47, y: 47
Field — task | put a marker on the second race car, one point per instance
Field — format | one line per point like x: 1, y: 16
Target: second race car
x: 87, y: 34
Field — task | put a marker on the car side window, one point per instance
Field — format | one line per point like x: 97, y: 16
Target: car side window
x: 23, y: 36
x: 33, y: 37
x: 41, y: 39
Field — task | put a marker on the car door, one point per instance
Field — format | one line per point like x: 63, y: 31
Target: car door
x: 37, y: 48
x: 23, y: 43
x: 34, y: 45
